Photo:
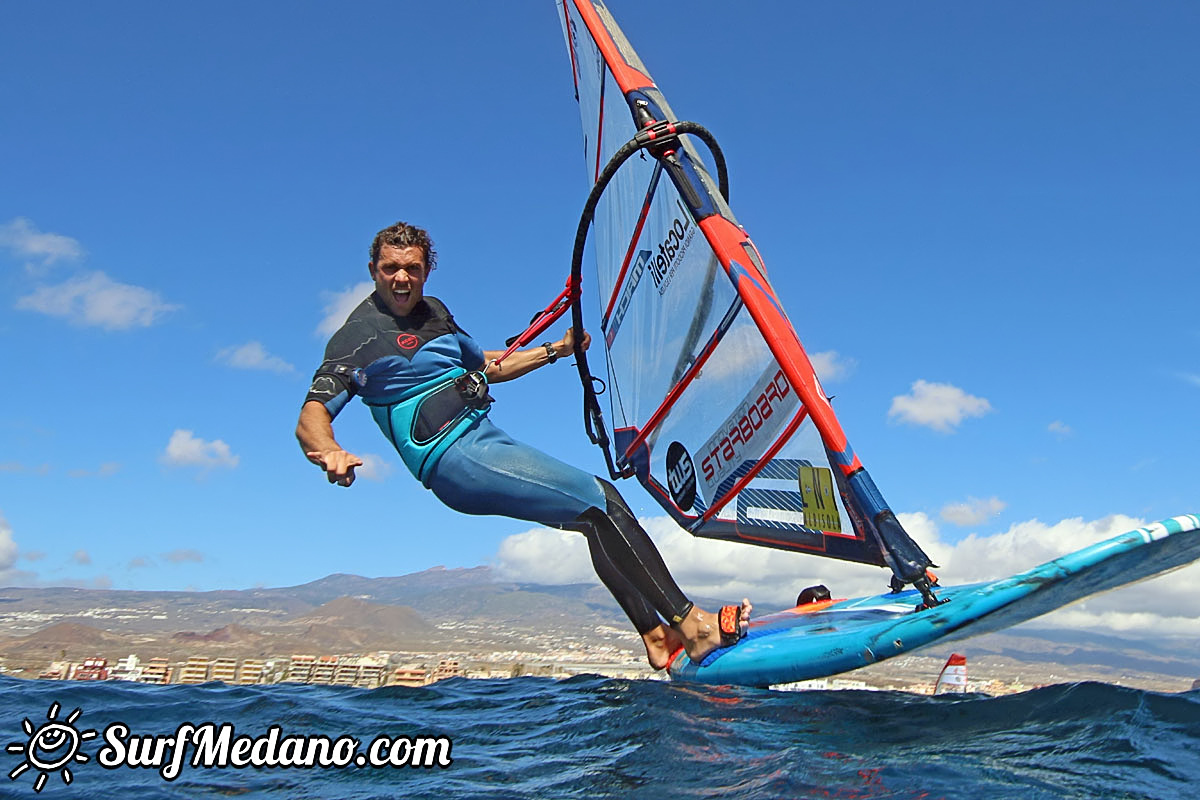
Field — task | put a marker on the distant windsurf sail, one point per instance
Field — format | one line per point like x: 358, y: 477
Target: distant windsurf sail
x: 715, y: 406
x: 953, y: 677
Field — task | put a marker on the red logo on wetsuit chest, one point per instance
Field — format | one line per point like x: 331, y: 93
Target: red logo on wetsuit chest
x: 408, y: 341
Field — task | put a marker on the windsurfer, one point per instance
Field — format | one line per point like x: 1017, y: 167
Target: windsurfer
x: 425, y: 381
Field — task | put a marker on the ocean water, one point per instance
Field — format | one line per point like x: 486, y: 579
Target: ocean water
x: 592, y: 737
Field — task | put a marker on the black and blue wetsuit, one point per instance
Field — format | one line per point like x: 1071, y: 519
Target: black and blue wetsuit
x: 404, y: 369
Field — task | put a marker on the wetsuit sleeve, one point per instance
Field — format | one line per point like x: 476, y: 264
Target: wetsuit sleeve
x: 340, y: 376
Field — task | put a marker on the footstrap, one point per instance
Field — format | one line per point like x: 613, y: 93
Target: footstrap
x: 730, y: 622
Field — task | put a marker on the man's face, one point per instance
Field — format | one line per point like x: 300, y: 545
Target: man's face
x: 399, y: 275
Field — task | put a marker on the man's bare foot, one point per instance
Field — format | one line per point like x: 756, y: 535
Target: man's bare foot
x: 661, y: 643
x: 701, y: 631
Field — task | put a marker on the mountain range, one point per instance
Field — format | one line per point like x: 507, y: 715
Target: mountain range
x: 454, y: 610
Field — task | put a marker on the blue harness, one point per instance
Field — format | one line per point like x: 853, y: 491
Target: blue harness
x: 425, y: 420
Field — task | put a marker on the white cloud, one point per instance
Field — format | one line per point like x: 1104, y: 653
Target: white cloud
x: 8, y: 546
x: 17, y: 466
x: 546, y: 556
x: 184, y: 556
x: 1027, y: 544
x: 252, y: 355
x: 723, y: 570
x: 973, y: 511
x: 701, y: 567
x: 97, y: 300
x: 186, y: 449
x: 1060, y: 429
x: 374, y: 468
x: 1165, y: 606
x: 105, y: 470
x: 10, y: 576
x: 22, y: 238
x: 338, y: 306
x: 940, y: 406
x: 831, y: 366
x: 1093, y: 615
x: 1190, y: 377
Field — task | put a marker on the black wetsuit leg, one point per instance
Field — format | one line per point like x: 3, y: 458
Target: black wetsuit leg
x: 629, y: 564
x: 632, y: 602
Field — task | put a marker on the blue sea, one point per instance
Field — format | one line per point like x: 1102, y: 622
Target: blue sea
x: 592, y: 737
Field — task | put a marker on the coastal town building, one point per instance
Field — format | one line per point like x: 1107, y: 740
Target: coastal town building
x: 345, y: 675
x: 323, y: 670
x: 127, y: 669
x: 224, y: 670
x: 158, y: 670
x: 58, y: 671
x: 409, y: 675
x: 92, y: 669
x: 385, y: 669
x: 371, y: 675
x: 300, y: 669
x: 448, y: 668
x: 194, y: 671
x: 253, y: 670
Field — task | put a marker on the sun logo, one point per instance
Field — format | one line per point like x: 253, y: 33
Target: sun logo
x: 51, y: 746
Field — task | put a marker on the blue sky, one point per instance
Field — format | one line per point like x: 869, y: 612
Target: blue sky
x: 982, y: 219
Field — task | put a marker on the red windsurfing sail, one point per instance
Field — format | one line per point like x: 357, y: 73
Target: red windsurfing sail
x: 953, y: 677
x: 715, y: 405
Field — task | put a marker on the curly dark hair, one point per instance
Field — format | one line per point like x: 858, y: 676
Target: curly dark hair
x: 404, y: 235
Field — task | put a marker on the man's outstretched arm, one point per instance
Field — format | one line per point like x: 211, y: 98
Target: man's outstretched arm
x: 314, y: 431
